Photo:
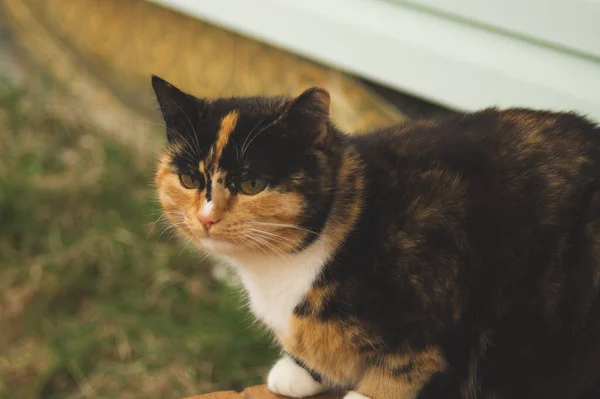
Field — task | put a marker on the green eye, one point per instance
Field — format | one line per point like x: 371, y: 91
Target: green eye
x: 253, y: 185
x: 191, y: 181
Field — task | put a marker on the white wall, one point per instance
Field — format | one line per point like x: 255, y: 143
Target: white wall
x: 571, y: 25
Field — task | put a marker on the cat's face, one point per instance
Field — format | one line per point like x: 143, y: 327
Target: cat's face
x: 246, y: 174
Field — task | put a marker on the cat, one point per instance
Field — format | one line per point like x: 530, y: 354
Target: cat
x: 435, y: 259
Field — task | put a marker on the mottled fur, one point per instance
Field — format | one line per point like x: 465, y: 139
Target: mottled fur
x: 436, y: 259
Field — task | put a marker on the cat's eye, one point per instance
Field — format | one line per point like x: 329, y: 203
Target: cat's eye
x: 191, y: 181
x: 253, y: 185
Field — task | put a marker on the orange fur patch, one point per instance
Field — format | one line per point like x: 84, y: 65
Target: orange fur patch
x: 227, y: 127
x: 381, y: 382
x: 317, y: 297
x: 175, y: 200
x: 342, y: 219
x: 246, y: 213
x: 324, y: 345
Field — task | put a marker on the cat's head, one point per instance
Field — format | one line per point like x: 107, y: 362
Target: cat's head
x: 248, y: 174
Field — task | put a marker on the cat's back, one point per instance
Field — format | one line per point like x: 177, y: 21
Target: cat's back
x: 519, y: 152
x: 510, y: 136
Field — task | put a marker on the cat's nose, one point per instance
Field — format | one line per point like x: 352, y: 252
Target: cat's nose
x: 207, y: 220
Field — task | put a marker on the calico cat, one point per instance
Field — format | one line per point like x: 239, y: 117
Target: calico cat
x: 434, y: 259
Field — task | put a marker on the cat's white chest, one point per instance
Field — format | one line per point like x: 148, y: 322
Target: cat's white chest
x: 276, y: 285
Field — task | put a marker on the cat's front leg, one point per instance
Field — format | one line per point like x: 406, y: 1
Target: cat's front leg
x: 399, y: 376
x: 288, y: 378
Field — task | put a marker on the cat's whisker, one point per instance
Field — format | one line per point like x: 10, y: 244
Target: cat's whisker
x: 173, y: 227
x: 203, y: 254
x: 276, y: 237
x: 187, y: 144
x: 247, y: 241
x: 265, y: 243
x: 168, y: 229
x: 173, y: 234
x: 169, y: 129
x: 250, y: 134
x: 176, y: 223
x: 259, y: 244
x: 150, y: 122
x: 283, y: 225
x: 165, y: 214
x: 269, y: 244
x: 195, y: 134
x: 157, y: 212
x: 160, y: 218
x: 256, y: 135
x: 269, y: 233
x: 237, y: 151
x: 189, y: 240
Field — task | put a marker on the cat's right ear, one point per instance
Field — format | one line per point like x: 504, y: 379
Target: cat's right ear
x: 180, y: 110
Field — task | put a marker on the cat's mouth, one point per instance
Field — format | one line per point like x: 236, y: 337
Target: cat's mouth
x: 210, y: 241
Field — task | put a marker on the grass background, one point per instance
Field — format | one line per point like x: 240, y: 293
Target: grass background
x: 95, y: 300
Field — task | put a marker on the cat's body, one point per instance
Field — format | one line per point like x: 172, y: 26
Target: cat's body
x: 451, y: 259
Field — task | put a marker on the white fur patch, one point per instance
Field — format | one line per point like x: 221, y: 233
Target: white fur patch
x: 288, y: 379
x: 275, y: 284
x: 217, y: 245
x: 355, y: 395
x: 207, y: 208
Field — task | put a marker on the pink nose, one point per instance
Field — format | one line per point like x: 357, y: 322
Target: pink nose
x: 207, y: 221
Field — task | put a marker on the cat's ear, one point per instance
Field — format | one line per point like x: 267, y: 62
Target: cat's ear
x: 309, y: 114
x: 180, y: 110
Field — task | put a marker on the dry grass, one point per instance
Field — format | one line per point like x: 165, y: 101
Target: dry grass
x: 94, y: 302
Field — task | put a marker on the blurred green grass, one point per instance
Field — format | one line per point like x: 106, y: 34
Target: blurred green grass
x: 95, y: 302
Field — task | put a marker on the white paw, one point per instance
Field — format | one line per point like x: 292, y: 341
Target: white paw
x: 288, y: 379
x: 355, y: 395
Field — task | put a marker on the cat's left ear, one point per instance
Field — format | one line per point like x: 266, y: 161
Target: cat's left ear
x: 181, y: 111
x: 308, y: 114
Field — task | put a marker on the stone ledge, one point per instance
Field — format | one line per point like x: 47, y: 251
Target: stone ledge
x: 257, y: 392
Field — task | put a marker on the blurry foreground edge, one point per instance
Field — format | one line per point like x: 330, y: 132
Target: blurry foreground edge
x: 257, y: 392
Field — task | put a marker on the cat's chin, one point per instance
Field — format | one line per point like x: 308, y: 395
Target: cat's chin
x: 218, y: 246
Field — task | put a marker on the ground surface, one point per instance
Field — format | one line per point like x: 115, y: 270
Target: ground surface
x: 256, y: 392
